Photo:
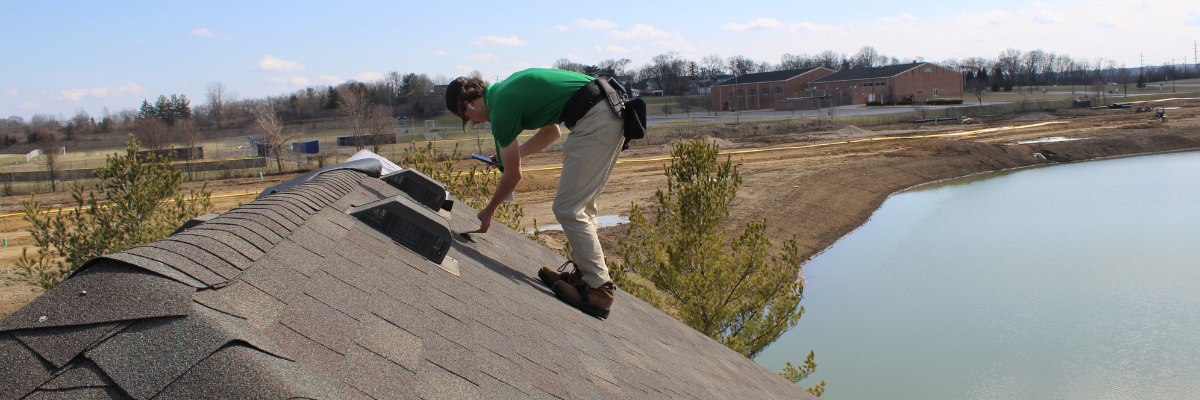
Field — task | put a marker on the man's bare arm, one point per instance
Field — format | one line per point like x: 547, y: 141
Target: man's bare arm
x: 508, y: 183
x: 540, y: 140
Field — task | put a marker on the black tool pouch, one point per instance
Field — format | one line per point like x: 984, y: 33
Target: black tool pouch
x: 632, y: 111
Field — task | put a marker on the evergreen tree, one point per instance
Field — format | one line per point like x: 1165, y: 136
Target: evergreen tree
x: 982, y: 76
x: 728, y: 288
x: 132, y: 210
x: 1141, y: 82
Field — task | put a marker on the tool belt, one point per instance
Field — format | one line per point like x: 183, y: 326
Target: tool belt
x: 632, y: 111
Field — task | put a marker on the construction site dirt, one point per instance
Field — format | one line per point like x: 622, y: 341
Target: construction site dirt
x: 816, y: 185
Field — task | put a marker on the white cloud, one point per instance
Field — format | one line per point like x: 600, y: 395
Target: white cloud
x: 612, y: 48
x: 483, y: 57
x: 1109, y: 22
x: 908, y: 17
x: 754, y: 24
x: 29, y: 106
x: 209, y: 33
x: 268, y: 63
x: 503, y: 41
x: 300, y: 81
x: 463, y: 68
x: 893, y: 23
x: 1044, y: 15
x: 12, y: 93
x: 131, y: 89
x: 523, y: 65
x: 642, y: 31
x: 96, y: 92
x: 439, y: 53
x: 368, y: 76
x: 1193, y: 19
x: 203, y: 32
x: 329, y: 79
x: 561, y: 28
x: 810, y: 28
x: 991, y: 18
x: 595, y: 24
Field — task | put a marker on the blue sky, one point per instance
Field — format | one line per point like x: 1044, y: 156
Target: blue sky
x: 63, y: 56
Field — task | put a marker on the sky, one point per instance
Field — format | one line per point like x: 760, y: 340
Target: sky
x: 60, y: 57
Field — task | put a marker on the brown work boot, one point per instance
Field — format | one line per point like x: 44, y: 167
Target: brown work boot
x: 549, y: 276
x: 596, y: 302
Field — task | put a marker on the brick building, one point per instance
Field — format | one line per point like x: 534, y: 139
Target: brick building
x: 914, y: 81
x: 764, y: 90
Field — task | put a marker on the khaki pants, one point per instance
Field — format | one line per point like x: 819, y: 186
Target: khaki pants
x: 589, y: 155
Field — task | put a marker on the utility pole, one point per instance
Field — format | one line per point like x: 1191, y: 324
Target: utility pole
x: 1142, y: 68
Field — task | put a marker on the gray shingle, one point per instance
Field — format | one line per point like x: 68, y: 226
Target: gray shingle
x: 83, y: 374
x: 225, y: 232
x: 268, y: 223
x: 238, y: 369
x: 439, y: 383
x: 376, y: 376
x: 180, y: 263
x: 296, y: 256
x: 200, y: 256
x: 244, y: 247
x: 320, y: 323
x: 340, y: 295
x: 154, y: 267
x: 85, y: 393
x: 225, y: 251
x: 151, y: 354
x: 60, y: 345
x: 113, y: 293
x: 389, y: 341
x: 20, y: 368
x: 278, y: 280
x: 258, y: 229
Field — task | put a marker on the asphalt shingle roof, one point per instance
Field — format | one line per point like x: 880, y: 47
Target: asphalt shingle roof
x: 867, y: 73
x: 288, y: 296
x: 772, y: 76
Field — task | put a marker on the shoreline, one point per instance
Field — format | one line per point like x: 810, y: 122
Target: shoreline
x: 872, y: 212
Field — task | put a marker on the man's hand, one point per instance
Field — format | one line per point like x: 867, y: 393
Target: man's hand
x: 485, y: 218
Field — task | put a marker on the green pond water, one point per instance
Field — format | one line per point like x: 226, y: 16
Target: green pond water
x: 1078, y: 281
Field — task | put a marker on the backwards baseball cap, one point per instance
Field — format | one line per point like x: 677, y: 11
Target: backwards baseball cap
x: 454, y: 102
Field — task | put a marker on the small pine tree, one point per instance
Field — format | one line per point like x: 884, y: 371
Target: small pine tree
x: 1141, y: 82
x: 139, y: 202
x: 731, y: 289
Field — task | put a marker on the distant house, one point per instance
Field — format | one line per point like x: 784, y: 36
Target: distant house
x: 763, y: 90
x: 913, y: 81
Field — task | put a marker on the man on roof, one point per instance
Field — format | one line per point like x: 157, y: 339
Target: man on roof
x: 541, y: 99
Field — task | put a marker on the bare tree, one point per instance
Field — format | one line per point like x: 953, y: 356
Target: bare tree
x: 378, y: 122
x: 741, y: 65
x: 153, y: 133
x: 712, y: 65
x: 866, y: 57
x: 353, y: 103
x: 271, y: 125
x: 218, y: 96
x: 188, y: 134
x: 51, y: 156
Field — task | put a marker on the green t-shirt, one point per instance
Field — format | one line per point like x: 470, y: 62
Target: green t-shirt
x: 529, y: 99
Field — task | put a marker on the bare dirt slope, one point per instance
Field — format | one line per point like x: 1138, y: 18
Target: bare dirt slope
x: 818, y: 193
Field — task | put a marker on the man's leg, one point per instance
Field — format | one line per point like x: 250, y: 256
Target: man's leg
x: 589, y: 155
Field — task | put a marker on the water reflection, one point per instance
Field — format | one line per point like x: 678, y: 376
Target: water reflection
x: 1073, y: 281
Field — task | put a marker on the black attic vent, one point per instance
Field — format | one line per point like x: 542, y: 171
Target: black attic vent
x: 410, y: 224
x: 421, y: 188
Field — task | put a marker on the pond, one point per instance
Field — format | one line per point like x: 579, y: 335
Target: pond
x: 1077, y: 281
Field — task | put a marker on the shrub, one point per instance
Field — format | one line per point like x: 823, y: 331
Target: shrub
x: 139, y: 202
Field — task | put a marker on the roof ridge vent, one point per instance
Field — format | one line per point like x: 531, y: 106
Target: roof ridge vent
x: 422, y: 189
x: 412, y: 225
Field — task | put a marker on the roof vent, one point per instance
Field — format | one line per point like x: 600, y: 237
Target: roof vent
x: 412, y: 226
x: 421, y: 188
